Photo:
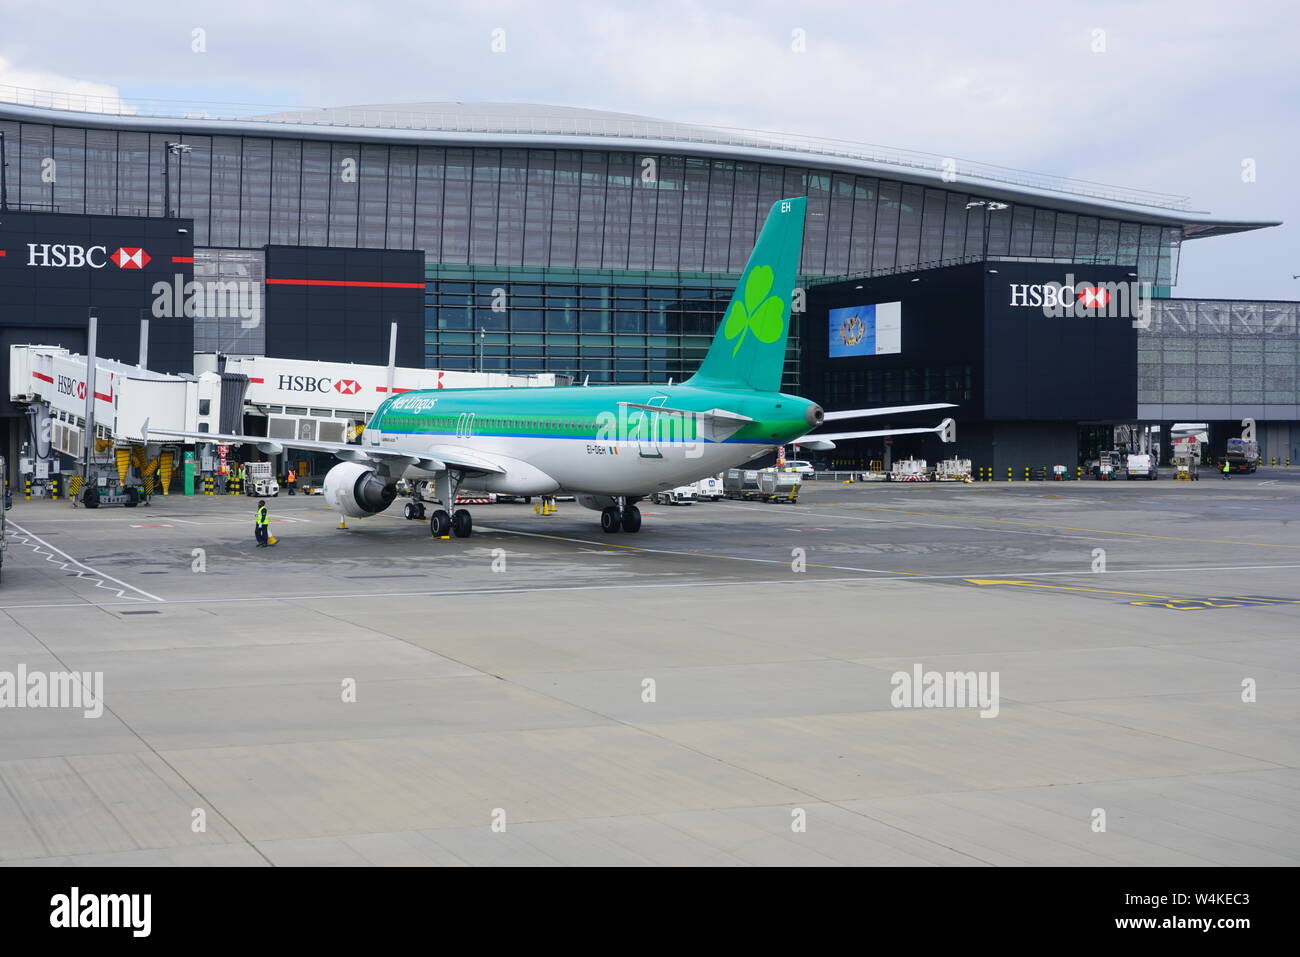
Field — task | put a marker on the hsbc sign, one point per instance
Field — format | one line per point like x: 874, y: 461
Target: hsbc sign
x: 308, y: 383
x: 1128, y: 300
x: 66, y: 385
x: 68, y: 255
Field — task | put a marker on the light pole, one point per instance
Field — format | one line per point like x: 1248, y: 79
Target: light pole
x: 989, y: 206
x: 4, y: 175
x: 173, y: 149
x: 481, y: 334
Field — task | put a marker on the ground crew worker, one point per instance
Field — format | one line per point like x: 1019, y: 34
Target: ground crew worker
x: 1227, y: 466
x: 290, y: 479
x: 261, y: 522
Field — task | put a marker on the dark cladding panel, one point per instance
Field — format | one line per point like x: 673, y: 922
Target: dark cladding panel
x: 1043, y: 367
x: 960, y: 339
x: 335, y: 304
x: 56, y: 267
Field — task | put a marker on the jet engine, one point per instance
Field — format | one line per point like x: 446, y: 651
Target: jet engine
x: 358, y: 491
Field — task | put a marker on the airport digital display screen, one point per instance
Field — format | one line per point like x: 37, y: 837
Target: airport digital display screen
x: 870, y: 330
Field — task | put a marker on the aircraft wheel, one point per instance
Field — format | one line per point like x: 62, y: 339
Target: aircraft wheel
x: 462, y: 526
x: 409, y: 512
x: 419, y: 511
x: 610, y: 519
x: 631, y: 519
x: 440, y: 524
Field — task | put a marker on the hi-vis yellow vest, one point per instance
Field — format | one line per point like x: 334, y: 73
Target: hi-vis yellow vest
x: 261, y: 516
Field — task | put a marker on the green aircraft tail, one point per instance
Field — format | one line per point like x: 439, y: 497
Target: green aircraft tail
x: 748, y: 351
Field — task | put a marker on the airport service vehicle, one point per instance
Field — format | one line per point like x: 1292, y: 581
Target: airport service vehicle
x: 609, y: 446
x: 1243, y: 455
x: 1142, y: 465
x: 800, y: 466
x: 261, y: 481
x: 779, y: 486
x: 709, y: 488
x: 953, y: 470
x: 1105, y: 465
x: 740, y: 483
x: 909, y: 470
x: 681, y: 495
x: 95, y: 496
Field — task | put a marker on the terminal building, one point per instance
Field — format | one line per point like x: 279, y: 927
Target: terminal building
x: 508, y: 238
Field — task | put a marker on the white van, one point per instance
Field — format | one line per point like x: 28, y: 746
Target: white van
x: 1142, y: 466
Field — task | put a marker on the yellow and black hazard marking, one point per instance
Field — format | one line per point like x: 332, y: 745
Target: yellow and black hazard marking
x: 1150, y: 601
x: 1222, y: 601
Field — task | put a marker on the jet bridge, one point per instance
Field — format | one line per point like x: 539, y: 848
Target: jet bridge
x: 282, y: 399
x: 52, y: 384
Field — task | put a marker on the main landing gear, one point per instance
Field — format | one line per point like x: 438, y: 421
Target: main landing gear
x: 614, y: 517
x: 459, y: 522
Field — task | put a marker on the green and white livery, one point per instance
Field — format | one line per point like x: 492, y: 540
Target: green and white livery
x: 610, y: 446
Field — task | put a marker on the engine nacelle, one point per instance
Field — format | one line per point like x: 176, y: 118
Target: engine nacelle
x: 357, y: 491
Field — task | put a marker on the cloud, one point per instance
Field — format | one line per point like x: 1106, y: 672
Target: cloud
x: 46, y: 88
x: 1175, y: 95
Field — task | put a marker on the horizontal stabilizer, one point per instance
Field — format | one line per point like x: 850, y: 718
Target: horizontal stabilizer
x: 889, y: 410
x: 715, y: 425
x: 824, y: 442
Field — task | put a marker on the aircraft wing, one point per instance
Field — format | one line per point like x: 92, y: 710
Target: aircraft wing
x: 889, y: 410
x: 436, y: 461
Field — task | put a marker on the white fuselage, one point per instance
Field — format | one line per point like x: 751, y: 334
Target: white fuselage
x: 541, y: 465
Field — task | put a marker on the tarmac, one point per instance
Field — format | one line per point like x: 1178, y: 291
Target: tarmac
x: 719, y: 689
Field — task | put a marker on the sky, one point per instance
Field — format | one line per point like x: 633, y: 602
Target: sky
x: 1198, y: 98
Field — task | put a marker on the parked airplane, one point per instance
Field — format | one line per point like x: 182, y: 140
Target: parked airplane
x: 609, y: 446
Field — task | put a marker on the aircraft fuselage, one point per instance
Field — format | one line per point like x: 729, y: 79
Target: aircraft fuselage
x: 584, y: 440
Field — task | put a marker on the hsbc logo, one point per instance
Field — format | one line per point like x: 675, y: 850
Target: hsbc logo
x: 131, y: 257
x: 311, y: 383
x: 66, y: 385
x: 1093, y: 297
x: 67, y: 255
x: 1128, y: 300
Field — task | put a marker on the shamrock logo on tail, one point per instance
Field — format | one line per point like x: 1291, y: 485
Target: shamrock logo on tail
x: 758, y: 312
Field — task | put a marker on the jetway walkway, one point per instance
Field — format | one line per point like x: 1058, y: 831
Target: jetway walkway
x: 282, y: 399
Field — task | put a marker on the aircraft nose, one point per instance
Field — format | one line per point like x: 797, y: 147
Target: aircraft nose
x: 815, y: 416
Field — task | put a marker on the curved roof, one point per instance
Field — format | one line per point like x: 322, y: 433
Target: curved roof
x: 535, y: 125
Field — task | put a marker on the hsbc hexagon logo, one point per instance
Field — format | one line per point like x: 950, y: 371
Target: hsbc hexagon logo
x: 1093, y: 297
x: 347, y: 386
x: 131, y: 257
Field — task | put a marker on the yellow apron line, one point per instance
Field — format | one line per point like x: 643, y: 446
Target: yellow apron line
x: 1105, y: 591
x: 1063, y: 528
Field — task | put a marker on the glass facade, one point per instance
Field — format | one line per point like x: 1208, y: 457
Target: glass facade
x: 567, y: 218
x: 228, y: 307
x: 603, y: 325
x: 1217, y: 353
